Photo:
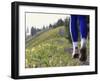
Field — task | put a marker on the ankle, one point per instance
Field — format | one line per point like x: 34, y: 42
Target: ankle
x: 75, y: 50
x: 83, y: 43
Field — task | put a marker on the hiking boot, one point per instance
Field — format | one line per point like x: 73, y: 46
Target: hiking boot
x: 83, y: 55
x: 75, y: 53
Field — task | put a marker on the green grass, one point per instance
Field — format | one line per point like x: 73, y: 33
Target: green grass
x: 47, y: 50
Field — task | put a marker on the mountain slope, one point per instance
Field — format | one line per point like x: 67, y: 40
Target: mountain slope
x: 49, y: 50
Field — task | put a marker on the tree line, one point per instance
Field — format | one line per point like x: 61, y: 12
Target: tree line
x: 34, y: 30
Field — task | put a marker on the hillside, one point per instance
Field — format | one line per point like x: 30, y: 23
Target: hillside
x: 49, y: 49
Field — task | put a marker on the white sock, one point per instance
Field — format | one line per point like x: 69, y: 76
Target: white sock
x: 75, y: 44
x: 83, y: 42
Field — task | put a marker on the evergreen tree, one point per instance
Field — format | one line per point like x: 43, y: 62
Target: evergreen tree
x: 33, y: 31
x: 67, y: 28
x: 60, y: 22
x: 43, y: 27
x: 50, y: 26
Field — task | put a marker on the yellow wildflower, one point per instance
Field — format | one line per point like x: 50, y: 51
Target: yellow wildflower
x: 33, y: 49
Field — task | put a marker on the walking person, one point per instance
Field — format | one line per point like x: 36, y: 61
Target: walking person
x: 79, y: 53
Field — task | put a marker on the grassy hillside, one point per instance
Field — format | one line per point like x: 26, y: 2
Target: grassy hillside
x: 49, y: 49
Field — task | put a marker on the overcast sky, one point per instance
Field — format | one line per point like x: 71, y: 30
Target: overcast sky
x: 39, y: 20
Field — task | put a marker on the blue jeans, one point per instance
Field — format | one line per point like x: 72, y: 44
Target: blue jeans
x: 74, y: 27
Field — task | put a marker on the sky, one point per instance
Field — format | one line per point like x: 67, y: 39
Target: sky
x: 39, y: 20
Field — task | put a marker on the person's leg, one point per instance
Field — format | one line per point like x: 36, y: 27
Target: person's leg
x: 83, y: 29
x: 74, y: 35
x: 83, y: 32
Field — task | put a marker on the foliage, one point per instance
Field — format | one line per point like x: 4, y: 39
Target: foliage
x: 33, y: 31
x: 67, y: 28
